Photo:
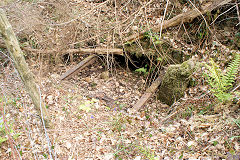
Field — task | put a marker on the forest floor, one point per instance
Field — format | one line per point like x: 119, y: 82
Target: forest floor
x: 90, y: 120
x: 90, y: 116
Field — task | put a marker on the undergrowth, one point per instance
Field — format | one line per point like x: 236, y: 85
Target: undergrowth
x: 126, y: 149
x: 7, y: 128
x: 4, y: 132
x: 221, y: 82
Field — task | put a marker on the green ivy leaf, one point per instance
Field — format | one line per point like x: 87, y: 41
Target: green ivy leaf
x: 141, y: 70
x: 159, y: 59
x: 215, y: 143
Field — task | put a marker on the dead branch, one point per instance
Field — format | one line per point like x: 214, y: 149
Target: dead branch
x: 182, y: 18
x: 149, y: 92
x: 99, y: 50
x: 87, y: 61
x: 79, y: 50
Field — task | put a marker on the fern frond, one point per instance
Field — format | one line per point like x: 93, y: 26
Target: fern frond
x: 232, y: 70
x: 219, y: 82
x: 214, y: 76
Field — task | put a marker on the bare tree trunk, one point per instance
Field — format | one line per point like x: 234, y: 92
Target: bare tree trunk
x: 20, y: 63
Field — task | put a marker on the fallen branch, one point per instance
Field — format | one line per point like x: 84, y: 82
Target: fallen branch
x: 79, y: 50
x: 117, y: 51
x: 182, y: 18
x: 146, y: 96
x: 84, y: 63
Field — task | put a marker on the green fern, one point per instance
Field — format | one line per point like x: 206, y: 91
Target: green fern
x: 232, y: 70
x: 220, y: 82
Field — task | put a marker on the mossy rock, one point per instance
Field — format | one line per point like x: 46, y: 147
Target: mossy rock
x: 147, y: 49
x: 175, y: 81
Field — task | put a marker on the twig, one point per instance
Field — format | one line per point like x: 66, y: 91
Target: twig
x: 236, y: 88
x: 80, y: 16
x: 164, y: 15
x: 222, y: 14
x: 181, y: 18
x: 44, y: 126
x: 170, y: 116
x: 238, y: 12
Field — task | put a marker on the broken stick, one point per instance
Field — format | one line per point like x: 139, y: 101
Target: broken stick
x: 149, y: 92
x: 84, y: 63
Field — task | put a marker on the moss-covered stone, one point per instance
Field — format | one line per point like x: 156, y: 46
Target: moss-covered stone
x: 175, y: 81
x: 140, y: 49
x: 147, y: 49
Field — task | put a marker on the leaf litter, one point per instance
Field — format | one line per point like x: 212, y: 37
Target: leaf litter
x: 92, y: 122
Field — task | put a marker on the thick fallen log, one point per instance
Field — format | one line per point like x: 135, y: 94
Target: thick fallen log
x: 182, y: 18
x: 17, y: 55
x: 84, y: 63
